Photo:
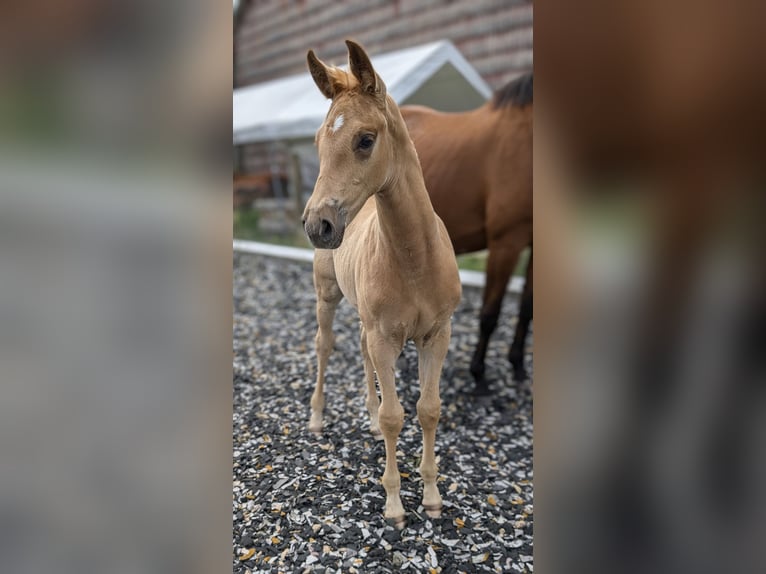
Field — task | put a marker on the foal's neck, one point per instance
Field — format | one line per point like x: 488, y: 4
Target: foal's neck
x: 407, y: 220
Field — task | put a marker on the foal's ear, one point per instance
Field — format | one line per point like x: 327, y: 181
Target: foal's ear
x: 321, y: 76
x: 361, y: 67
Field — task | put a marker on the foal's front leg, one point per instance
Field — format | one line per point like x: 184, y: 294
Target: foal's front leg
x: 328, y: 297
x: 372, y: 403
x: 391, y: 416
x: 431, y: 354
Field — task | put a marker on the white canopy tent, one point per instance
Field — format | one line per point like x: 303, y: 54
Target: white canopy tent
x: 292, y: 108
x: 283, y: 115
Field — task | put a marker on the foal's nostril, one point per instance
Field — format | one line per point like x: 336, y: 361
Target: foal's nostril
x: 325, y: 229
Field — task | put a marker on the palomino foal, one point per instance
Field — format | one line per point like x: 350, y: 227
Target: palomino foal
x: 381, y: 245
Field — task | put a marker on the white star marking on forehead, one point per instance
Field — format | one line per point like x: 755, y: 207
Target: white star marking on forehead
x: 337, y: 124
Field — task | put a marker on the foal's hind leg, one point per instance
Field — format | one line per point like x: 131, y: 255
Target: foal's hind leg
x: 431, y: 354
x: 372, y: 403
x: 328, y: 297
x: 516, y: 354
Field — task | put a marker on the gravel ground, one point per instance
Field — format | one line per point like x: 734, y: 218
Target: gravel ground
x: 303, y: 503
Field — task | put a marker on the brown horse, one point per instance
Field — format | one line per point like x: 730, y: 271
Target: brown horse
x: 381, y: 245
x: 478, y: 170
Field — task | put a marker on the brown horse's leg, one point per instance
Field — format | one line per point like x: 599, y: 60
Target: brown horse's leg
x: 391, y: 414
x: 372, y: 403
x: 431, y: 356
x: 328, y: 297
x: 500, y: 264
x: 516, y: 354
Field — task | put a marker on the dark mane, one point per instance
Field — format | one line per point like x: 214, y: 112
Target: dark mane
x: 517, y: 92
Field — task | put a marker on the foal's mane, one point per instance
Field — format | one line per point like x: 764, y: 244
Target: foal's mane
x: 342, y: 80
x: 517, y: 92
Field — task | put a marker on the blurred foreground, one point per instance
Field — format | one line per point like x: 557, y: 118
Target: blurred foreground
x: 115, y: 313
x: 649, y: 306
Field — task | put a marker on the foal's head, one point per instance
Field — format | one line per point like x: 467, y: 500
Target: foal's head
x: 354, y: 143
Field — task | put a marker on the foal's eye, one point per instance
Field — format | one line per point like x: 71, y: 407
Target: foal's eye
x: 365, y: 142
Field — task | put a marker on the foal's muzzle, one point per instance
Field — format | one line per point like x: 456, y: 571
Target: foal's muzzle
x: 324, y: 227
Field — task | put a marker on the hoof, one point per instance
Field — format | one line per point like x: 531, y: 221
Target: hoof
x: 377, y: 434
x: 519, y: 371
x: 399, y: 522
x: 480, y: 388
x: 316, y: 429
x: 481, y: 391
x: 520, y: 375
x: 433, y: 511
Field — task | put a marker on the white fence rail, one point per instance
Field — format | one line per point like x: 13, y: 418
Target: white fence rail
x: 467, y: 278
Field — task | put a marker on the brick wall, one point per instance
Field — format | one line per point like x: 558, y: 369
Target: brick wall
x: 271, y: 37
